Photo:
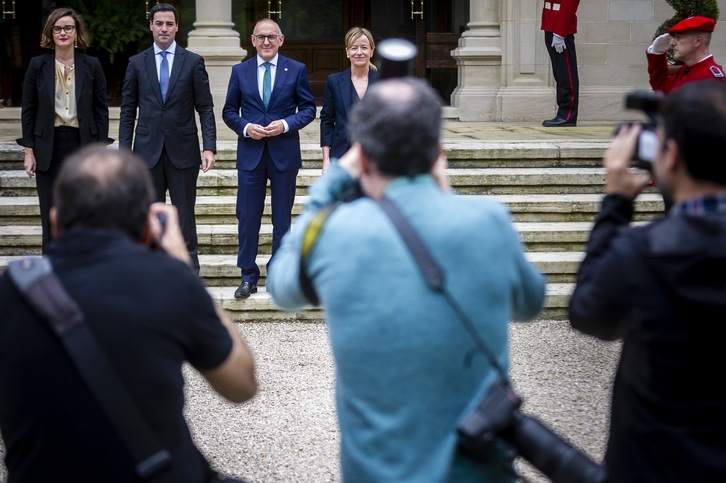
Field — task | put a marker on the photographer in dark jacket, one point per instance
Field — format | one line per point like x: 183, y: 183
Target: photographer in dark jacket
x: 662, y: 288
x: 149, y: 313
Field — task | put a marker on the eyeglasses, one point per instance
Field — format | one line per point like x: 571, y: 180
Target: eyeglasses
x: 67, y: 29
x: 261, y: 38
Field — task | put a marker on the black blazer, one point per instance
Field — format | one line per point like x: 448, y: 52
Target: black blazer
x: 336, y: 107
x: 38, y: 114
x: 171, y: 123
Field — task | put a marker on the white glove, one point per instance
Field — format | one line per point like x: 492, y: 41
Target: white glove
x: 660, y: 44
x: 559, y: 43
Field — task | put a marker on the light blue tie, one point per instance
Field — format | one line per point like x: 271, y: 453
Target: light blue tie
x: 266, y: 85
x: 164, y: 75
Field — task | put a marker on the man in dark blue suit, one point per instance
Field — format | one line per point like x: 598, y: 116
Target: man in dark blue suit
x: 268, y: 101
x: 167, y: 83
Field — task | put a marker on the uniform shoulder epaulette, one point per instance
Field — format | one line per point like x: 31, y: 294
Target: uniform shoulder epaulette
x: 716, y: 71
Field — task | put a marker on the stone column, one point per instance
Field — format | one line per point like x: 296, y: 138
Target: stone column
x: 479, y: 61
x: 214, y: 39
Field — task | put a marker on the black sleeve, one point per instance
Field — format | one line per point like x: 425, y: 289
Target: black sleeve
x: 29, y: 112
x: 206, y: 341
x: 602, y: 303
x: 129, y: 105
x: 100, y: 105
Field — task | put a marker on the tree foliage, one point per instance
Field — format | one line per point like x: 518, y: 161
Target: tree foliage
x: 113, y: 26
x: 688, y: 8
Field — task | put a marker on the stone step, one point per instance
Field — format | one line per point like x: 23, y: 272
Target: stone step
x: 500, y: 181
x: 553, y: 190
x: 217, y: 210
x: 259, y: 307
x: 563, y: 180
x: 222, y: 239
x: 222, y: 271
x: 474, y: 154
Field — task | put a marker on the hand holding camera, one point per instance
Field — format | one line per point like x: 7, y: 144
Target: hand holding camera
x: 618, y: 176
x: 634, y: 144
x: 164, y: 233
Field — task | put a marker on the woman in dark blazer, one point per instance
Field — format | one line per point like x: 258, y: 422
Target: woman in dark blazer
x: 343, y: 90
x: 64, y: 105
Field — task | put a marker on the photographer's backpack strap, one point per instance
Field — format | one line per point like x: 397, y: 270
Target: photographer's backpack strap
x: 495, y: 414
x: 39, y: 285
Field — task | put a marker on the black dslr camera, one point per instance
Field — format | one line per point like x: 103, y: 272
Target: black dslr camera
x: 648, y: 102
x: 498, y: 419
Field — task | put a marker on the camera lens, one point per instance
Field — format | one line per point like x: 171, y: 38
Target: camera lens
x: 395, y: 55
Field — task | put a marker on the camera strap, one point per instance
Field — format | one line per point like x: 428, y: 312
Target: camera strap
x: 432, y: 272
x: 37, y: 282
x: 310, y: 238
x: 434, y: 276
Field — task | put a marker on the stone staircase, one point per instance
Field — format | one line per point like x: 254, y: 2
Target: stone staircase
x: 552, y: 189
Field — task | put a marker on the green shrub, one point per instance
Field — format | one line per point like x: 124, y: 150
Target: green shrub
x: 685, y: 9
x: 113, y: 26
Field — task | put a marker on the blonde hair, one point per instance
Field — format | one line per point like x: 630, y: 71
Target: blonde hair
x: 46, y: 40
x: 354, y: 34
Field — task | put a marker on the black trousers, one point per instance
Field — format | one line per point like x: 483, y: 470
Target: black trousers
x: 65, y: 141
x: 564, y: 69
x: 182, y: 186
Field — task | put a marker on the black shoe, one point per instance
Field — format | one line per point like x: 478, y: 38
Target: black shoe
x: 244, y: 290
x: 559, y: 122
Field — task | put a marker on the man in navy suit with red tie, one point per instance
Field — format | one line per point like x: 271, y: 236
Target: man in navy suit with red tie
x: 167, y: 84
x: 269, y: 100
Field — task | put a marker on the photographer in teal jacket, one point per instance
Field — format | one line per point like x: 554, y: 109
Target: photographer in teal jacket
x: 407, y: 370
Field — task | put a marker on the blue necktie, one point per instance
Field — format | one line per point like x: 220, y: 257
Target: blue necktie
x: 266, y: 85
x: 164, y: 75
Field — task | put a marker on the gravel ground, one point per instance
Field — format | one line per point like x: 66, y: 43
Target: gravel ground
x: 288, y: 432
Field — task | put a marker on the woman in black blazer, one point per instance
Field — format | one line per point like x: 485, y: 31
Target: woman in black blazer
x: 343, y: 90
x: 64, y: 105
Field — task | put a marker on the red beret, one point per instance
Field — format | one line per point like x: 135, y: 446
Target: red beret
x: 693, y: 24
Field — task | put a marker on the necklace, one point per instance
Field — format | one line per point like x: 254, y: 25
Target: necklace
x: 67, y: 66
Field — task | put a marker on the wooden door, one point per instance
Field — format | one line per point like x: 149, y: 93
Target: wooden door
x: 434, y: 26
x: 314, y: 31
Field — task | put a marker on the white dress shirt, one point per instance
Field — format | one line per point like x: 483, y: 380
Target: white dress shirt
x: 169, y: 58
x: 260, y: 80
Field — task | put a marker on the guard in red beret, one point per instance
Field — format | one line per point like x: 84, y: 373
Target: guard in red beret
x: 560, y: 24
x: 690, y: 39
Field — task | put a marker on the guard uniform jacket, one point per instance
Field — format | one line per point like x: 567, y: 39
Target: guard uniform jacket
x: 559, y: 17
x: 662, y: 80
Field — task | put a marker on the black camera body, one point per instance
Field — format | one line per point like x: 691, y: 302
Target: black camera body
x: 648, y: 102
x: 498, y: 419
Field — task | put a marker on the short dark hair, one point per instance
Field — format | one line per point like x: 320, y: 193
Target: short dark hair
x: 163, y: 7
x: 104, y: 189
x: 398, y: 125
x: 46, y: 39
x: 694, y: 116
